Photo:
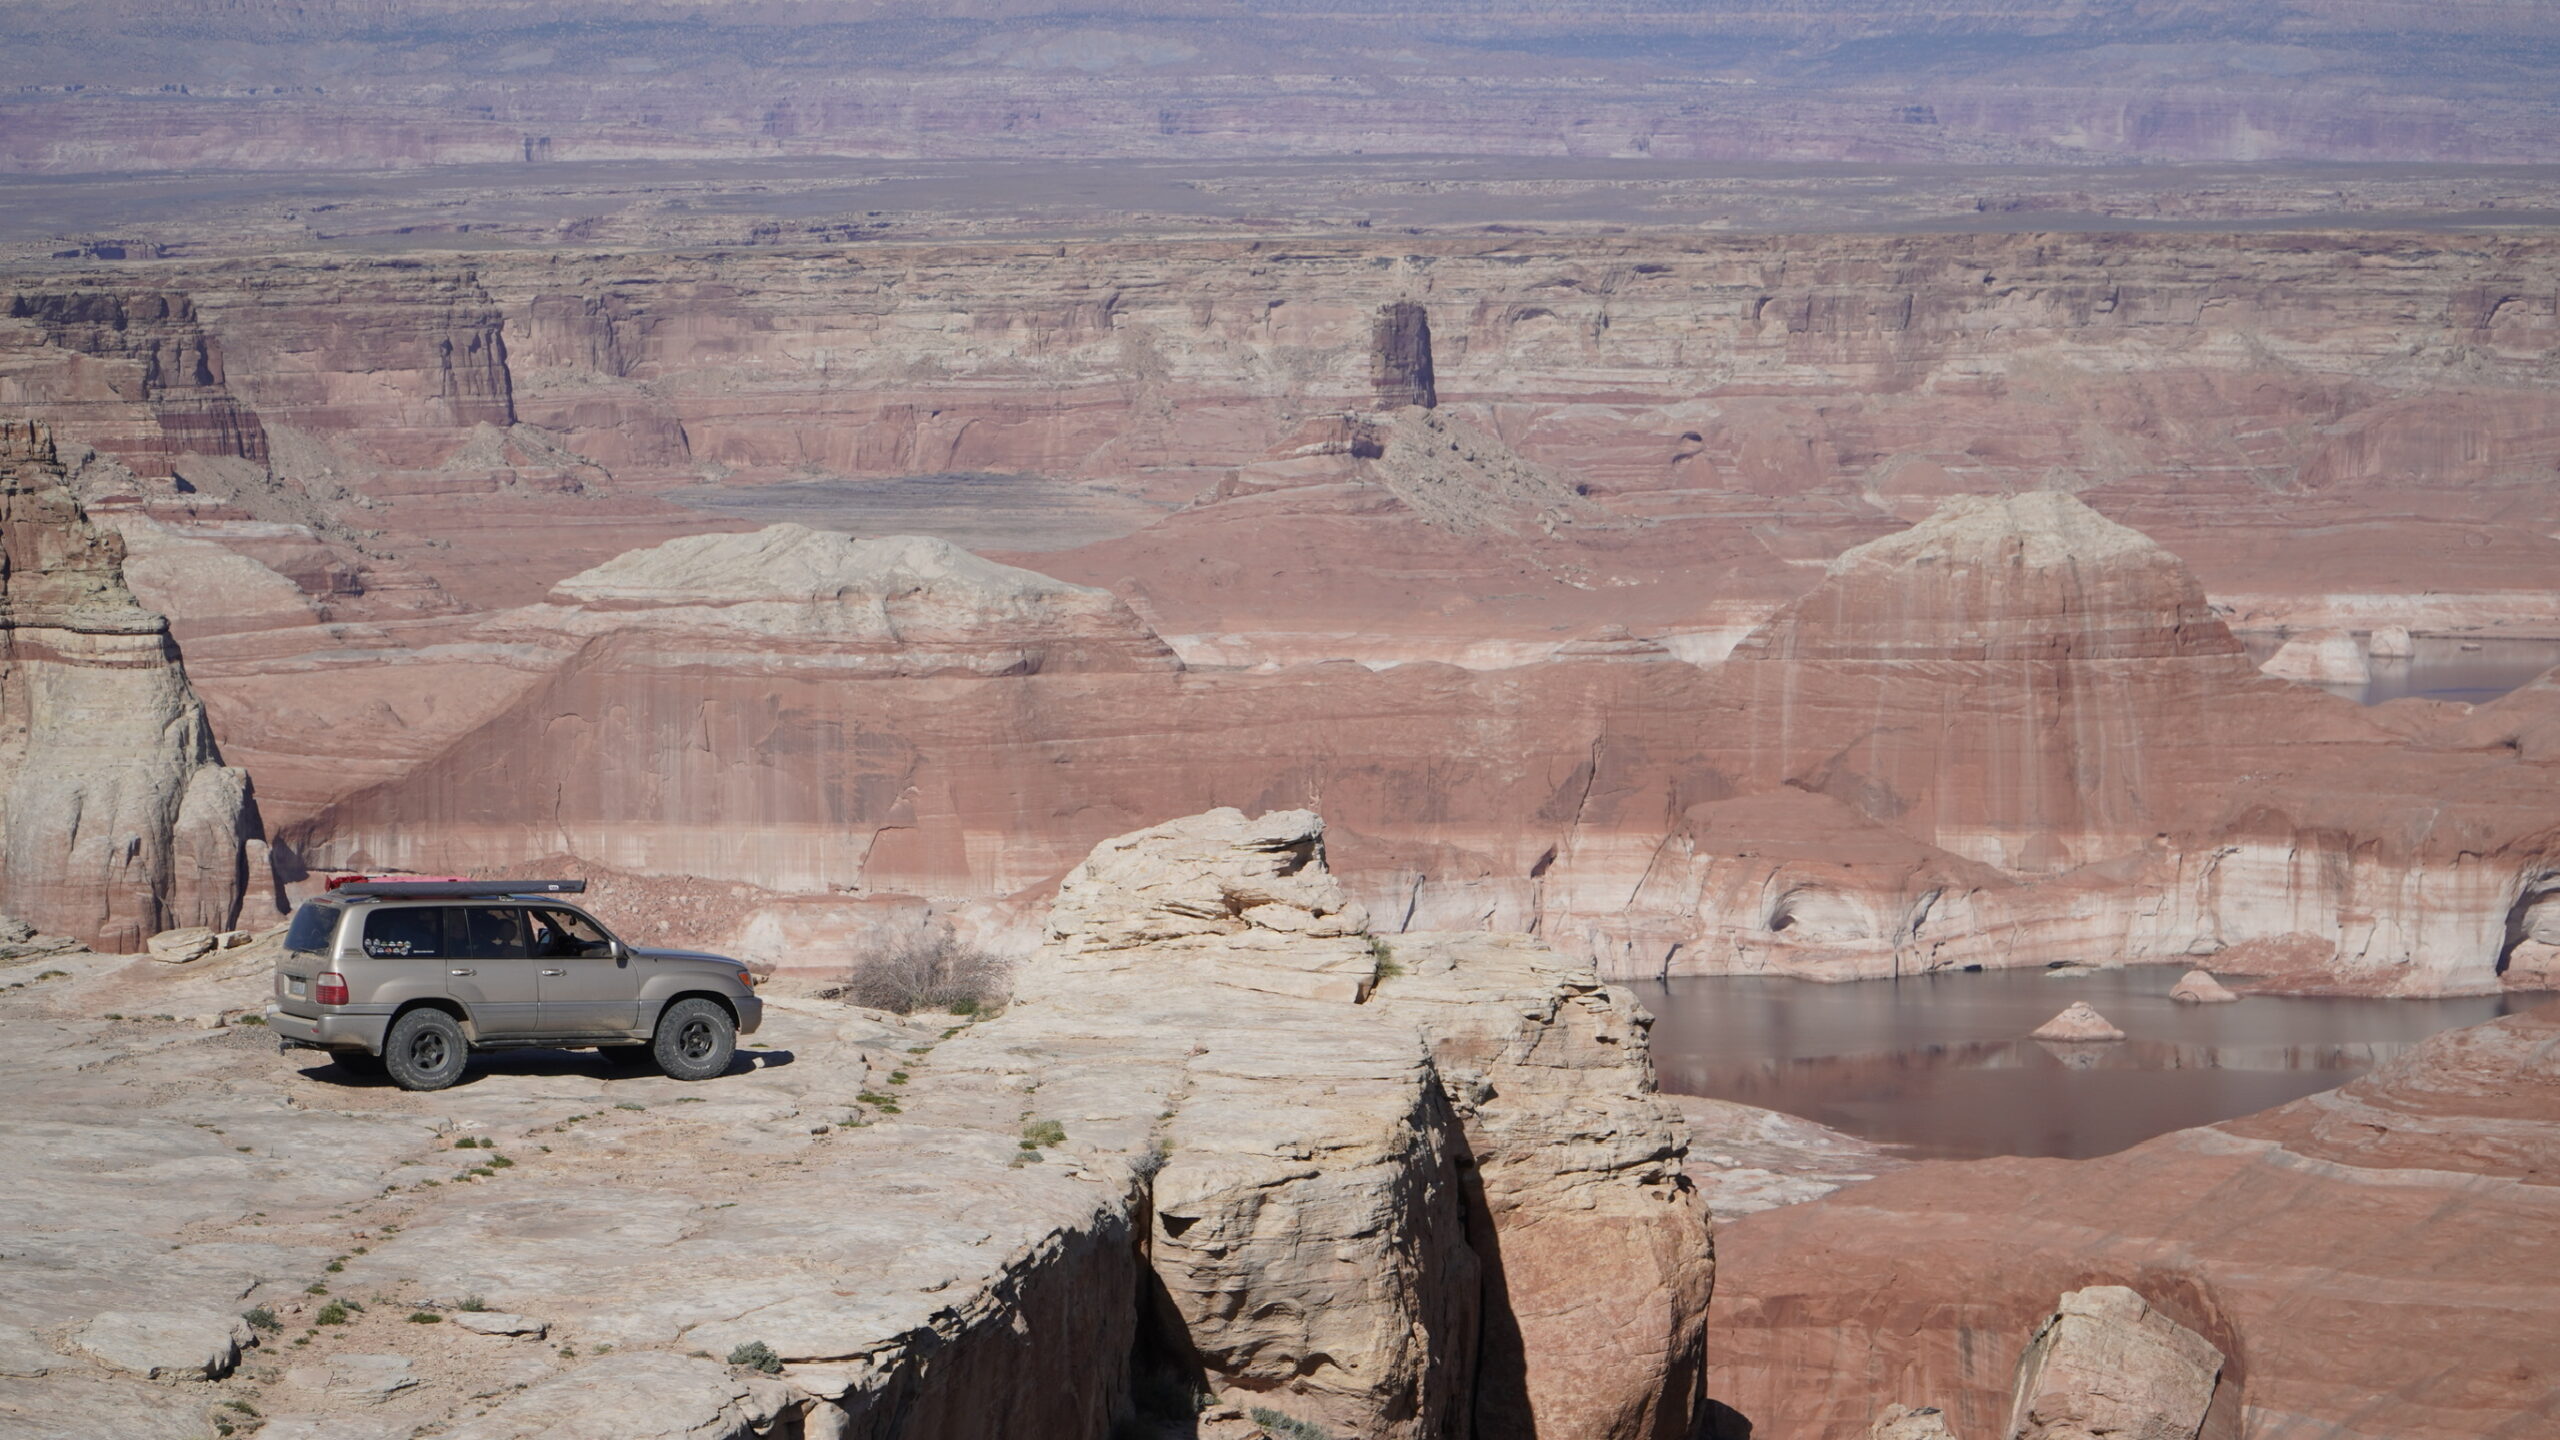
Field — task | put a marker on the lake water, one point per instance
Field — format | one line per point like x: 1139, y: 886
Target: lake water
x: 1939, y: 1066
x: 974, y: 511
x: 2442, y: 669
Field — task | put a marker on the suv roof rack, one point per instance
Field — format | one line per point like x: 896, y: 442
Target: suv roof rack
x: 455, y: 889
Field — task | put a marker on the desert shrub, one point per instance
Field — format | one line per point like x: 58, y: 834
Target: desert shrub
x: 1040, y: 1134
x: 927, y: 972
x: 263, y: 1318
x: 757, y: 1355
x: 1286, y: 1427
x: 473, y: 1304
x: 333, y: 1313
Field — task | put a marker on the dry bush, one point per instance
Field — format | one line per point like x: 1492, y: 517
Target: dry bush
x: 927, y: 972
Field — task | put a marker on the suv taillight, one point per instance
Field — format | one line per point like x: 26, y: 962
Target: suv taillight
x: 329, y: 988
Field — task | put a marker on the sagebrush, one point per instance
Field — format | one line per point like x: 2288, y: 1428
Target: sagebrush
x: 927, y: 972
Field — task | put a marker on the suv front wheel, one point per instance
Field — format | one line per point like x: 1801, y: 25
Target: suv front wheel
x: 695, y: 1039
x: 425, y: 1050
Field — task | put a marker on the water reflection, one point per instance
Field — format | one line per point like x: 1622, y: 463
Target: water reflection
x: 1939, y: 1064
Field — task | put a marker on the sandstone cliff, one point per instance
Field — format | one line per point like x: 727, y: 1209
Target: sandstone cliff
x: 2011, y: 734
x: 120, y: 819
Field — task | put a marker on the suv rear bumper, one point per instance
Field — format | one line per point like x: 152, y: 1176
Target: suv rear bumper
x: 337, y: 1031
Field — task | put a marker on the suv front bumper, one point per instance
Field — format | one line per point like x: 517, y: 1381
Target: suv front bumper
x: 335, y: 1031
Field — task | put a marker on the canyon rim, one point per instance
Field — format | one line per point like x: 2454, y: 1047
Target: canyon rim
x: 1250, y: 618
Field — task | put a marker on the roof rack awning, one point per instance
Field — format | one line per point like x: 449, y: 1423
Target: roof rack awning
x: 457, y: 889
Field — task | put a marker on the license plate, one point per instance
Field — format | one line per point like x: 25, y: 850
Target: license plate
x: 294, y: 984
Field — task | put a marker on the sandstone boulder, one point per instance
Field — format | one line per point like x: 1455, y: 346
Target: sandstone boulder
x: 2390, y: 642
x: 2077, y: 1022
x: 2324, y: 657
x: 2199, y: 987
x: 2107, y: 1365
x: 165, y: 1344
x: 177, y: 947
x: 1260, y: 884
x: 1911, y: 1422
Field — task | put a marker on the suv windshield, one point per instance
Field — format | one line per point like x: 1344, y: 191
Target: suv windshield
x: 313, y: 924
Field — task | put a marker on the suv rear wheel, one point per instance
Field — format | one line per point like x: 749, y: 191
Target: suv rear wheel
x: 695, y: 1040
x: 425, y: 1050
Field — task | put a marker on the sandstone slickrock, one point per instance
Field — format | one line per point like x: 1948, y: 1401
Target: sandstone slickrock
x: 2370, y: 1261
x: 2199, y: 987
x: 1159, y: 1176
x: 2107, y: 1364
x: 2077, y: 1022
x: 2391, y: 642
x: 120, y: 819
x: 498, y: 1322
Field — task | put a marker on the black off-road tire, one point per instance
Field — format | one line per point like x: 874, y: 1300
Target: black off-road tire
x: 695, y: 1040
x: 425, y: 1050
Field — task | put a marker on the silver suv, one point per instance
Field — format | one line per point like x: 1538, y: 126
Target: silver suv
x: 411, y: 976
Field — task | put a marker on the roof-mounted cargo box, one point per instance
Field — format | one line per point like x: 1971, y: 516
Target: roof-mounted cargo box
x: 455, y: 889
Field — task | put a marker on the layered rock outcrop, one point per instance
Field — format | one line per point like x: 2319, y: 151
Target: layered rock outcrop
x: 2011, y: 735
x: 120, y: 819
x: 1564, y: 1265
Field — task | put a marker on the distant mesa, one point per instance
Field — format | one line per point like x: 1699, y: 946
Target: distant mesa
x: 911, y: 604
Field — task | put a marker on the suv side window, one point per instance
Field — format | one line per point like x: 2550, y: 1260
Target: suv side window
x: 414, y: 931
x: 558, y: 933
x: 489, y: 932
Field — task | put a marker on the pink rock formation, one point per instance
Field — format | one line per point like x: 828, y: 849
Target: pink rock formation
x: 2360, y: 1263
x: 2081, y: 760
x: 2077, y: 1022
x: 120, y: 819
x: 2106, y: 1363
x: 2199, y: 987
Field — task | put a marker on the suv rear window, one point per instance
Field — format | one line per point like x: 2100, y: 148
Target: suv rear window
x: 313, y: 924
x: 395, y: 934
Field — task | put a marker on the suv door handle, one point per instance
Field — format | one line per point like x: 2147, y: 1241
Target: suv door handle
x: 555, y: 972
x: 462, y: 972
